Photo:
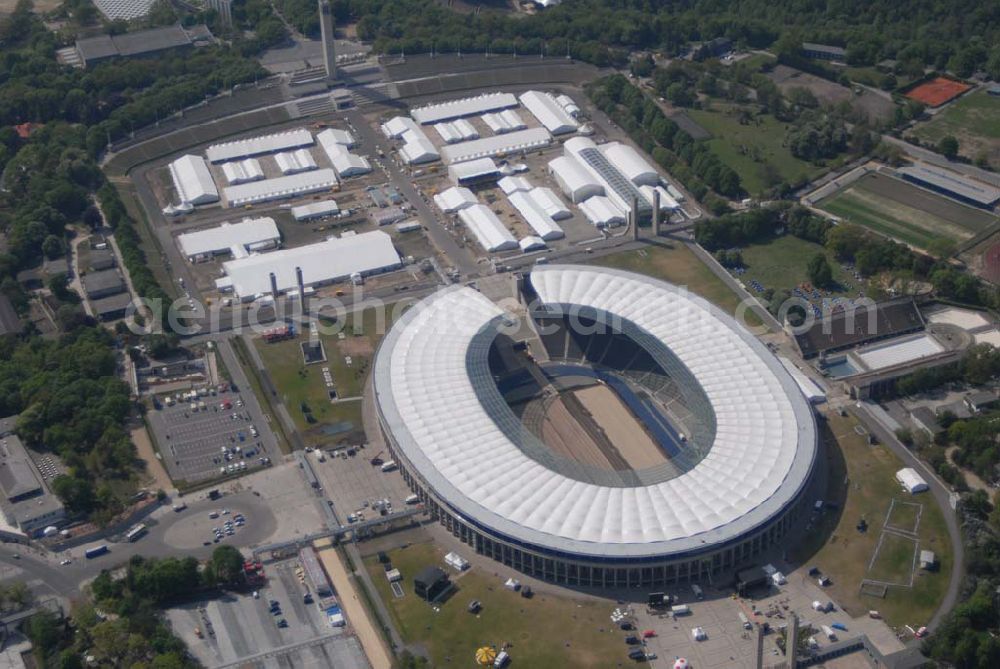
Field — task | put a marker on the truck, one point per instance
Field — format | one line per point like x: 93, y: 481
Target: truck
x: 96, y: 551
x: 502, y: 659
x: 389, y: 466
x: 680, y: 609
x: 696, y: 589
x: 745, y: 621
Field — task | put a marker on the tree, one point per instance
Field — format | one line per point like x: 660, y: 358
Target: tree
x: 819, y: 271
x: 948, y: 147
x: 225, y: 565
x: 52, y: 247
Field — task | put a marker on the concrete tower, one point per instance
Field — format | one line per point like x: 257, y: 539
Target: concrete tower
x: 329, y: 46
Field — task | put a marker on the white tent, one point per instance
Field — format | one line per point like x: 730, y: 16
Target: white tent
x: 911, y: 480
x: 457, y: 197
x: 487, y: 228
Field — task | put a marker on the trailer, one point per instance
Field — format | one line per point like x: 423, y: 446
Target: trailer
x: 96, y: 551
x: 389, y: 466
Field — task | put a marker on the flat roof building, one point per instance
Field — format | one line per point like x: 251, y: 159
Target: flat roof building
x: 192, y: 180
x: 280, y: 188
x: 823, y: 51
x: 104, y: 283
x: 952, y: 184
x: 487, y: 228
x: 480, y: 104
x: 93, y: 50
x: 325, y: 262
x: 255, y: 146
x: 247, y: 236
x: 313, y: 210
x: 544, y: 107
x: 509, y: 143
x: 852, y: 327
x: 315, y: 572
x: 112, y: 307
x: 27, y: 501
x: 470, y: 172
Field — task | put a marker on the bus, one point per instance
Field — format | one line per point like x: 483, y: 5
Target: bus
x: 96, y: 551
x: 136, y: 533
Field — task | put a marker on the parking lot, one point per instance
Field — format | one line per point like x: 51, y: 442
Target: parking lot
x: 355, y: 486
x: 240, y: 629
x: 215, y: 435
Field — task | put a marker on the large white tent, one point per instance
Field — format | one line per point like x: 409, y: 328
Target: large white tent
x: 192, y: 180
x: 280, y: 188
x: 250, y: 234
x: 549, y: 112
x: 487, y: 228
x: 255, y: 146
x: 576, y: 182
x: 911, y: 481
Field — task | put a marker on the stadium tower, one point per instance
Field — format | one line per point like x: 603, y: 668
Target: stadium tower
x: 329, y: 46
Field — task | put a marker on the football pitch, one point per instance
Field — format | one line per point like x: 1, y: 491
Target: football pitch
x: 896, y: 209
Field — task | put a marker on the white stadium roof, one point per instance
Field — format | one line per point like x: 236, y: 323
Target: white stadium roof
x: 520, y: 140
x: 248, y: 232
x: 443, y: 409
x: 280, y: 187
x: 255, y: 146
x: 455, y: 198
x: 323, y: 262
x: 549, y: 112
x: 241, y: 171
x: 487, y: 228
x: 446, y: 111
x: 192, y: 180
x: 535, y: 216
x: 293, y: 162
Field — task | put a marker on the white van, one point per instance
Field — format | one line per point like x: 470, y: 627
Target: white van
x: 502, y: 659
x: 389, y: 466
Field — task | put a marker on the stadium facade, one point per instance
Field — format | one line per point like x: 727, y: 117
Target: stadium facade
x: 730, y: 490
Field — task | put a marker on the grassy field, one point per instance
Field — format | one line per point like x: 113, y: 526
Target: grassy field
x: 678, y: 265
x: 782, y: 263
x: 545, y: 631
x: 755, y: 151
x: 902, y: 211
x: 974, y: 120
x: 303, y: 386
x: 862, y: 479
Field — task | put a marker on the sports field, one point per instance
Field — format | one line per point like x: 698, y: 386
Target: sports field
x: 621, y: 427
x: 974, y: 121
x: 544, y: 631
x: 755, y: 150
x: 900, y: 210
x: 861, y: 481
x: 937, y: 91
x: 561, y: 432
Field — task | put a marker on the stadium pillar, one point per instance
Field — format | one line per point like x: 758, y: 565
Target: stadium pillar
x: 635, y: 218
x: 656, y: 211
x: 329, y: 46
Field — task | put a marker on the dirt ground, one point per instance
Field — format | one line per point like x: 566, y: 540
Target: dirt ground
x: 564, y: 435
x: 353, y: 607
x: 622, y: 428
x: 154, y: 468
x: 830, y: 93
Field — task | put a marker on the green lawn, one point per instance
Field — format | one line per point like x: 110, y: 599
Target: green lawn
x: 904, y: 515
x: 861, y: 478
x: 974, y: 120
x: 782, y: 263
x: 755, y: 151
x: 678, y: 265
x: 300, y: 384
x: 545, y: 631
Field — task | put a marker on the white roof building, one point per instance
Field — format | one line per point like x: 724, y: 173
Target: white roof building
x: 395, y: 127
x: 899, y: 350
x: 511, y: 142
x: 293, y: 162
x: 550, y: 203
x: 606, y: 170
x: 513, y: 184
x: 567, y: 103
x: 348, y: 164
x: 549, y: 112
x: 430, y: 380
x: 452, y: 199
x: 324, y: 262
x: 911, y: 481
x: 255, y: 146
x: 473, y: 171
x: 192, y: 180
x: 445, y: 111
x: 418, y: 149
x: 602, y: 212
x: 507, y: 120
x: 459, y: 130
x: 628, y: 161
x: 242, y: 171
x: 280, y: 188
x: 542, y: 224
x: 532, y: 243
x: 248, y: 235
x: 487, y: 228
x: 312, y: 210
x: 576, y: 182
x: 667, y: 202
x: 336, y: 136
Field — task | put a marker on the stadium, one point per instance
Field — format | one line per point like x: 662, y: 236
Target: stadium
x: 610, y: 430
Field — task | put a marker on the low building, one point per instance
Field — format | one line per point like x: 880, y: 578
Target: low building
x: 113, y: 307
x: 925, y: 419
x: 100, y: 259
x: 452, y: 199
x: 473, y: 172
x: 27, y: 501
x: 320, y: 209
x: 141, y: 43
x: 824, y: 52
x: 928, y: 560
x: 981, y: 401
x: 713, y: 48
x: 951, y: 184
x: 315, y: 572
x: 103, y: 284
x: 911, y: 481
x: 544, y: 107
x: 239, y: 239
x: 430, y: 583
x: 193, y: 182
x: 259, y: 145
x: 281, y: 188
x: 487, y: 228
x: 9, y: 321
x: 511, y: 143
x: 848, y: 328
